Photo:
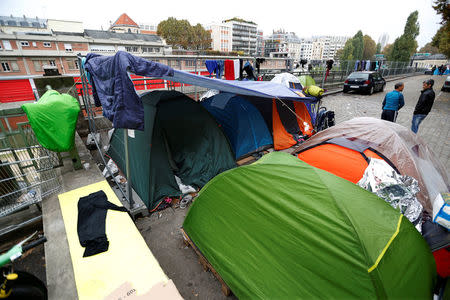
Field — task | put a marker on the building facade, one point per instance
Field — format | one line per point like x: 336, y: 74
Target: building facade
x: 244, y: 35
x: 221, y: 36
x: 28, y: 50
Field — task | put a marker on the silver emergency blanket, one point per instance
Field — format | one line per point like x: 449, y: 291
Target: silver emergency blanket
x: 397, y: 190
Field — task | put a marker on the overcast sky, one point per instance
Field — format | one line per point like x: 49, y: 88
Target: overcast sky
x: 305, y: 18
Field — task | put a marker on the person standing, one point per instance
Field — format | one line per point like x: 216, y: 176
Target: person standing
x: 392, y: 103
x: 424, y: 104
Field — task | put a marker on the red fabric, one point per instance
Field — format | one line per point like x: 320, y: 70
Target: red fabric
x: 442, y: 258
x: 229, y: 69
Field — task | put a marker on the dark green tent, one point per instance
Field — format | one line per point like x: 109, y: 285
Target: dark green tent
x: 282, y: 229
x: 180, y: 138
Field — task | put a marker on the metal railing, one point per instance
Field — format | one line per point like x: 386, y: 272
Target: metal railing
x: 27, y: 170
x: 341, y: 70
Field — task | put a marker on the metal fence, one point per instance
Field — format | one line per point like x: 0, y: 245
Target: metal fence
x: 341, y: 70
x: 27, y: 170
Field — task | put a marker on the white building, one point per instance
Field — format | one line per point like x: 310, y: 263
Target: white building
x: 221, y: 36
x: 326, y: 47
x: 244, y: 35
x: 283, y: 44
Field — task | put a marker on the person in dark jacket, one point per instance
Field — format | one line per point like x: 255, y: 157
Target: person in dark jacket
x: 392, y: 103
x: 424, y: 104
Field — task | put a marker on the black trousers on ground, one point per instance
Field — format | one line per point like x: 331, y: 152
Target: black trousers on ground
x: 389, y: 115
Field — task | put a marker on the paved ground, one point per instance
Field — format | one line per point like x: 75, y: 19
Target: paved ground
x: 435, y: 129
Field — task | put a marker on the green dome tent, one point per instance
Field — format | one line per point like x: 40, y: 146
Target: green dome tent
x: 282, y: 229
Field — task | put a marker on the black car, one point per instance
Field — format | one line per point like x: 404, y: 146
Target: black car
x: 367, y: 82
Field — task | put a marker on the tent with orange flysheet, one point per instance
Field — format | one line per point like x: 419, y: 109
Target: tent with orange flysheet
x: 345, y: 149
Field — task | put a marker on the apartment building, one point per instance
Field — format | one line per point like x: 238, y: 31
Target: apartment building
x: 326, y: 47
x: 244, y: 35
x: 287, y: 45
x: 27, y: 50
x: 221, y: 36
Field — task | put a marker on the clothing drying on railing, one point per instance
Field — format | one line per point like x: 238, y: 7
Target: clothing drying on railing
x: 115, y: 90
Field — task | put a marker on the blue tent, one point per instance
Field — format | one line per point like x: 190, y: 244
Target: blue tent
x: 241, y: 121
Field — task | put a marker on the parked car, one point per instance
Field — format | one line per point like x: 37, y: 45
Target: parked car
x: 368, y: 82
x: 446, y: 86
x: 428, y: 71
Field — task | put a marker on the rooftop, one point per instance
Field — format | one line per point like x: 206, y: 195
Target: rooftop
x: 23, y: 22
x: 100, y: 34
x: 124, y: 20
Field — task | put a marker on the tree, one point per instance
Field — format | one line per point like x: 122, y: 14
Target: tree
x: 180, y: 34
x: 370, y: 47
x: 201, y: 38
x: 347, y: 52
x: 428, y: 48
x: 378, y: 48
x: 387, y: 50
x: 358, y: 45
x: 441, y: 39
x: 405, y: 45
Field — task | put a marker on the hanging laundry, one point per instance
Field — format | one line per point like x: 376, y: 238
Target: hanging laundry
x: 220, y: 68
x: 229, y: 69
x: 211, y: 66
x: 259, y: 61
x: 356, y: 65
x: 368, y: 65
x: 237, y: 68
x: 113, y: 87
x: 249, y: 70
x: 92, y: 211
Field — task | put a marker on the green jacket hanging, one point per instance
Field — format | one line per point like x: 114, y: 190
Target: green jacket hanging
x: 53, y: 119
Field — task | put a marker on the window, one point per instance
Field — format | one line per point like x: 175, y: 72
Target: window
x: 24, y: 44
x: 37, y: 65
x: 34, y: 44
x: 52, y: 63
x: 68, y: 47
x: 47, y: 44
x: 7, y: 45
x: 103, y: 48
x: 1, y: 47
x: 131, y: 48
x: 5, y: 67
x: 147, y: 49
x: 14, y: 66
x: 73, y: 64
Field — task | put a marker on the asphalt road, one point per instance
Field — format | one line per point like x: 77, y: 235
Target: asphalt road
x: 435, y: 129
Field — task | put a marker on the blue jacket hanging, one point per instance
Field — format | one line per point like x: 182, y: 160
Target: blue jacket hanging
x: 211, y: 66
x: 113, y: 87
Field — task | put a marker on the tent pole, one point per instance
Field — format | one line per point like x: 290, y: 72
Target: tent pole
x: 127, y: 164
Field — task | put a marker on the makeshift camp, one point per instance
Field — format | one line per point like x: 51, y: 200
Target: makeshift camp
x: 344, y: 150
x: 306, y: 80
x: 311, y: 235
x: 180, y: 138
x: 241, y: 121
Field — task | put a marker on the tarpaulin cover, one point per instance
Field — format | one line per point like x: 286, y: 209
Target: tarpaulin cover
x: 180, y: 138
x: 408, y: 153
x: 241, y: 122
x: 53, y: 119
x: 310, y: 235
x: 264, y: 89
x: 115, y: 90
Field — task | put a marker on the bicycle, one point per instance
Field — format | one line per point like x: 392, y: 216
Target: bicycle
x: 19, y: 284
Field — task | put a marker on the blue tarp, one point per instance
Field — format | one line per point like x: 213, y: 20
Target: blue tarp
x: 264, y: 89
x: 241, y: 121
x: 114, y: 89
